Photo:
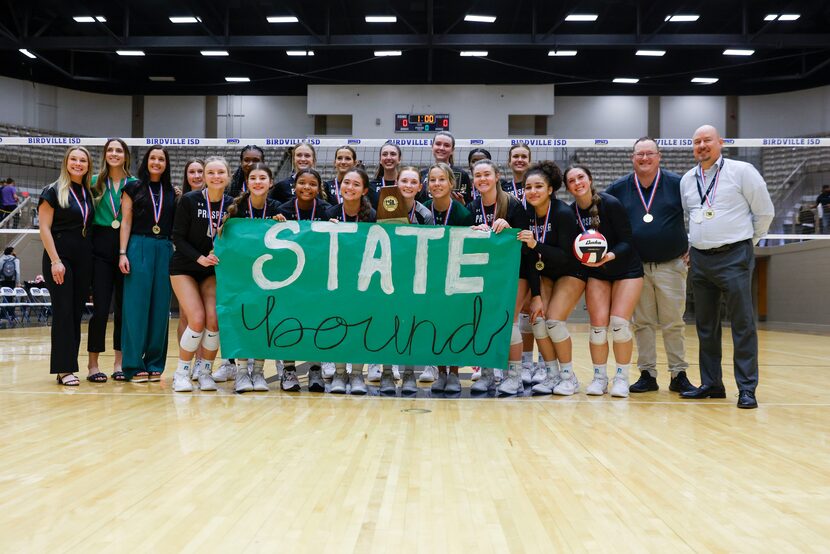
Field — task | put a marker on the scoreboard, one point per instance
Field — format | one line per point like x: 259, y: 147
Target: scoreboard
x: 422, y: 122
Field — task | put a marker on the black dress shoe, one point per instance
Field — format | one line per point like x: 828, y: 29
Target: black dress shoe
x: 746, y: 400
x: 680, y: 383
x: 645, y: 383
x: 705, y: 391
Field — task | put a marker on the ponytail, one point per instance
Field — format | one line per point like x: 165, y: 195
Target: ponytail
x: 235, y: 208
x: 365, y: 211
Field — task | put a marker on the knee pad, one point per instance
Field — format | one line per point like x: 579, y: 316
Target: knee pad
x: 557, y: 330
x: 191, y: 340
x: 539, y: 329
x: 515, y: 335
x: 211, y: 340
x: 599, y: 335
x: 620, y: 329
x: 524, y: 324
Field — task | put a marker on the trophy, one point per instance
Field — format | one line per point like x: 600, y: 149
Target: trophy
x: 391, y: 208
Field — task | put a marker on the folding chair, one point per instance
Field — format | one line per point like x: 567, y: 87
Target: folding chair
x: 7, y: 312
x: 23, y: 298
x: 47, y: 298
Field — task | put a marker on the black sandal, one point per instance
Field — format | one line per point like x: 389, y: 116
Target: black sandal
x: 68, y: 380
x: 119, y: 376
x: 154, y: 376
x: 97, y: 378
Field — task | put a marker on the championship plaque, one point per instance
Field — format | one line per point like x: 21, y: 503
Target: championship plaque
x: 391, y: 208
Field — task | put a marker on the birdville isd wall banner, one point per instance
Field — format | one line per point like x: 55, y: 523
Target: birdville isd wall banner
x: 361, y: 292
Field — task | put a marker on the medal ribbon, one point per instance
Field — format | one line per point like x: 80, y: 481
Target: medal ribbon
x: 157, y: 209
x: 708, y: 198
x: 536, y: 226
x: 343, y: 210
x: 84, y: 208
x: 484, y: 212
x: 213, y: 228
x: 653, y: 190
x: 313, y: 210
x: 112, y: 193
x: 412, y: 214
x: 579, y: 218
x: 446, y: 216
x: 337, y: 190
x: 516, y: 193
x: 251, y: 208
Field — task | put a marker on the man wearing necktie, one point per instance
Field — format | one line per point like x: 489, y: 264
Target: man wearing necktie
x: 729, y: 211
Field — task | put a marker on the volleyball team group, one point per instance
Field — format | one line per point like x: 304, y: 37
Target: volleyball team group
x: 134, y: 240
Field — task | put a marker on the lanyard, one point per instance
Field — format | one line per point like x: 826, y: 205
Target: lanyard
x: 84, y: 208
x: 706, y: 197
x: 412, y: 214
x: 517, y: 195
x: 653, y: 190
x: 446, y: 217
x: 251, y: 208
x: 337, y: 190
x: 313, y: 209
x: 211, y: 227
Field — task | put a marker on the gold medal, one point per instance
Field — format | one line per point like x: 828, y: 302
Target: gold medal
x: 156, y: 229
x: 115, y: 224
x: 83, y: 232
x: 709, y: 214
x: 210, y: 253
x: 540, y: 265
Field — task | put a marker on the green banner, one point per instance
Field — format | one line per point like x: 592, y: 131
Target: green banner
x: 366, y: 293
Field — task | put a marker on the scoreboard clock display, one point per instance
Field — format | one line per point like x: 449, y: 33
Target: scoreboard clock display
x: 422, y: 122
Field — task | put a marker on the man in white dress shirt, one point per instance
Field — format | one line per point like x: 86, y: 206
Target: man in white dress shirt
x: 729, y: 210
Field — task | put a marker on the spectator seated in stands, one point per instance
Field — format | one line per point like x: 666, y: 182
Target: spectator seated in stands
x: 807, y: 219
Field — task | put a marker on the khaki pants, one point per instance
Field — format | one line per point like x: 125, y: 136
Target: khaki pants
x: 661, y: 306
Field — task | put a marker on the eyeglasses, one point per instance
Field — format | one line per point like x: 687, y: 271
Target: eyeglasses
x: 642, y: 155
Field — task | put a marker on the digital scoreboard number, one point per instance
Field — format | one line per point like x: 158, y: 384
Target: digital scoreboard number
x: 422, y: 122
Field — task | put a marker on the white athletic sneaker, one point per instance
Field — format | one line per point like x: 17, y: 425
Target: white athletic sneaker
x: 373, y: 372
x: 428, y: 374
x: 485, y: 382
x: 206, y: 381
x: 513, y: 384
x: 242, y: 382
x: 619, y: 388
x: 540, y: 372
x: 548, y: 385
x: 396, y: 372
x: 181, y: 382
x: 568, y: 385
x: 224, y: 372
x: 598, y: 386
x: 195, y: 369
x: 328, y: 370
x: 476, y: 374
x: 289, y: 381
x: 258, y: 381
x: 527, y: 375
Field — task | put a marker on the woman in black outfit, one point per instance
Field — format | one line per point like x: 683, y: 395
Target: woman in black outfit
x: 250, y: 155
x: 614, y: 282
x: 306, y: 204
x: 303, y: 156
x: 345, y: 158
x: 557, y: 279
x: 65, y: 213
x: 192, y: 274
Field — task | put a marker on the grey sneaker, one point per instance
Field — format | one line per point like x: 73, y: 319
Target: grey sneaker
x: 258, y: 381
x: 485, y: 382
x: 453, y: 383
x: 225, y: 372
x: 195, y: 369
x: 547, y: 386
x: 181, y: 381
x: 328, y: 370
x: 289, y: 381
x: 374, y: 373
x: 441, y: 382
x: 513, y: 384
x: 428, y: 374
x: 338, y: 383
x: 387, y: 382
x: 358, y: 385
x: 527, y: 375
x: 409, y: 385
x: 206, y: 381
x: 242, y: 382
x: 540, y: 373
x: 315, y: 379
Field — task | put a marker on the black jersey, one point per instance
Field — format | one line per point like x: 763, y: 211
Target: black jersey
x: 554, y: 246
x: 192, y: 232
x: 337, y: 212
x: 615, y: 227
x: 292, y: 211
x: 283, y: 191
x: 516, y: 215
x: 514, y: 189
x: 374, y: 190
x: 270, y: 209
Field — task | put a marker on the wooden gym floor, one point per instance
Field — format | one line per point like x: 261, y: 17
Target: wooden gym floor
x: 126, y: 467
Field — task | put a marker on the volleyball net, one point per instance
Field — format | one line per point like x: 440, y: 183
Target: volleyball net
x: 795, y: 168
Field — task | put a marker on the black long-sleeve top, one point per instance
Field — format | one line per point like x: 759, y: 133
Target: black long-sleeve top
x: 292, y: 212
x: 336, y: 212
x: 191, y: 230
x: 556, y: 251
x: 283, y: 191
x: 272, y: 208
x: 516, y: 217
x: 615, y: 226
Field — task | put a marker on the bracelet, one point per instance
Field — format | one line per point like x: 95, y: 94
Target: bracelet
x: 57, y: 262
x: 122, y: 252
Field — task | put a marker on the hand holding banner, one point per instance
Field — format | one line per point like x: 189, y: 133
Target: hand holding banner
x: 366, y: 293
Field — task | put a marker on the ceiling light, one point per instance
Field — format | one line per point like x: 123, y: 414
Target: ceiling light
x: 475, y: 53
x: 705, y: 80
x: 215, y: 53
x: 300, y: 52
x: 690, y: 18
x: 130, y: 52
x: 27, y: 53
x: 162, y: 78
x: 185, y: 19
x: 656, y: 53
x: 381, y: 19
x: 626, y: 80
x: 562, y: 53
x: 771, y: 17
x: 89, y: 19
x: 788, y: 17
x: 480, y: 18
x: 737, y: 52
x: 380, y: 53
x: 282, y: 19
x: 582, y: 17
x: 238, y: 79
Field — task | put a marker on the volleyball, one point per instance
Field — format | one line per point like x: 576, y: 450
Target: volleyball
x: 590, y: 246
